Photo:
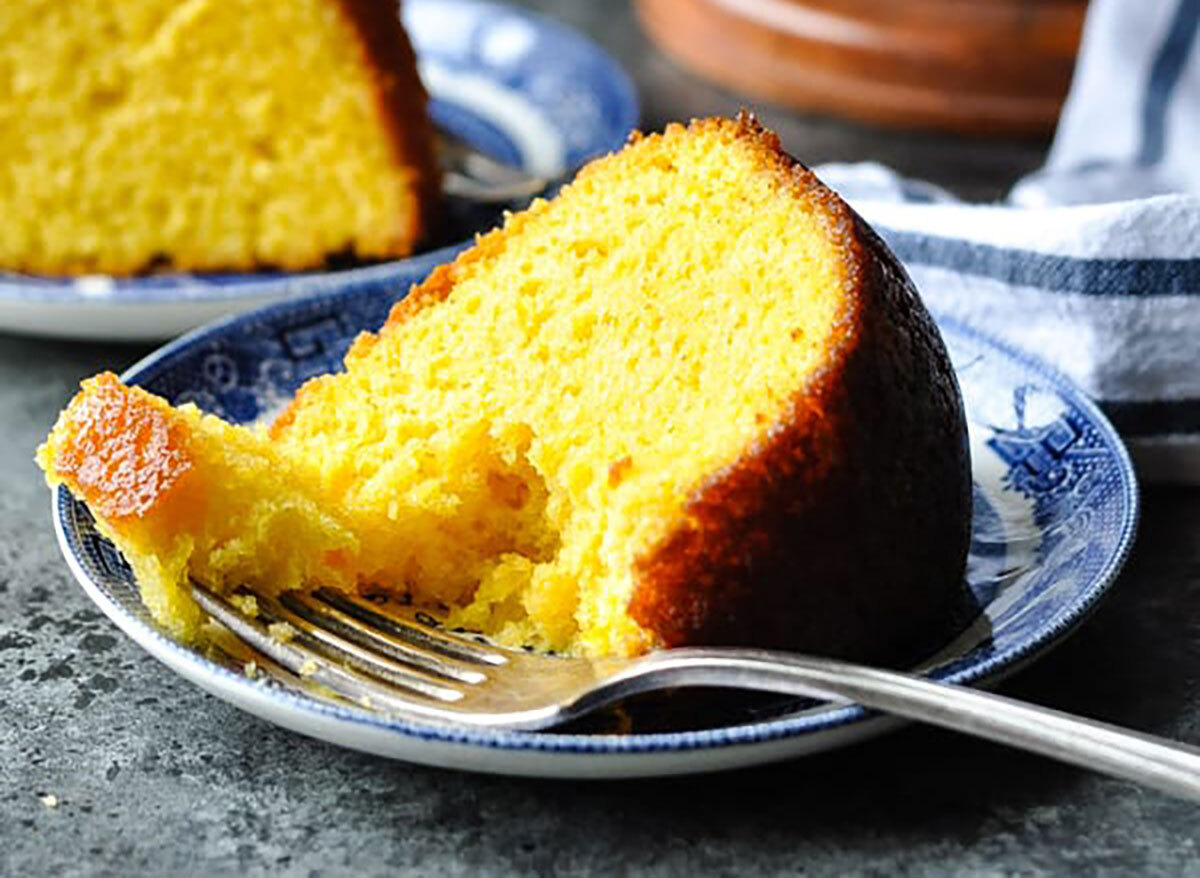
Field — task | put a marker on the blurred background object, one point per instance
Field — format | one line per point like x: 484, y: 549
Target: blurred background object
x: 966, y: 66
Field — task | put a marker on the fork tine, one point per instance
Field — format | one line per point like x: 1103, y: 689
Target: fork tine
x: 469, y: 173
x: 344, y: 652
x: 329, y: 617
x: 264, y: 669
x: 362, y: 646
x: 424, y: 638
x: 269, y: 672
x: 299, y: 657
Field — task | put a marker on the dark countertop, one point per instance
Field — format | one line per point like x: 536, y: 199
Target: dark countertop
x: 152, y: 776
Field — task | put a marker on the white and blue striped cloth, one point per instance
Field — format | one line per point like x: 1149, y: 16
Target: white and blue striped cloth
x: 1093, y: 262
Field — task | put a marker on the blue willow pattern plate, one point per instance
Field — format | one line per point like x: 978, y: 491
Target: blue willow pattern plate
x: 1054, y: 515
x: 516, y: 86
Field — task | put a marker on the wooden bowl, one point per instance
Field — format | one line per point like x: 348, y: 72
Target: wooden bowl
x: 966, y: 66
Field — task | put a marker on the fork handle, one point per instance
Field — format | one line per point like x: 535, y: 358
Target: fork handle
x: 1168, y: 766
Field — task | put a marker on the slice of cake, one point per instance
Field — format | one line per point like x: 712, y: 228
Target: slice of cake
x: 208, y: 134
x: 691, y: 400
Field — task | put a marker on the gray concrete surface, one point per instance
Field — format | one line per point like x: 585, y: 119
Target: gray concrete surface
x: 153, y: 777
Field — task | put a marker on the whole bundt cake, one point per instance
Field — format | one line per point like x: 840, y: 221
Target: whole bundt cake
x: 208, y: 134
x: 691, y: 400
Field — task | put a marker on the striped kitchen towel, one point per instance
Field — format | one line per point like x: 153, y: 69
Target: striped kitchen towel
x: 1093, y: 262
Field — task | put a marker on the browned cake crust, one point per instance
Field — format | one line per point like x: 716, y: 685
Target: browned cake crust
x: 122, y: 454
x: 401, y: 98
x: 844, y: 532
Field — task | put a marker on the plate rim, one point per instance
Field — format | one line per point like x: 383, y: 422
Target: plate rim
x: 986, y: 671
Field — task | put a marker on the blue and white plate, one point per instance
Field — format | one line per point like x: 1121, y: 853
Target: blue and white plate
x: 519, y: 87
x: 1054, y: 516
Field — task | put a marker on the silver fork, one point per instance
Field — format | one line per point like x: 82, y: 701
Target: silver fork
x: 473, y: 175
x: 416, y: 670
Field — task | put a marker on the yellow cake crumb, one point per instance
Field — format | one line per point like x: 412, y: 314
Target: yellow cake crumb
x: 281, y: 631
x: 247, y: 604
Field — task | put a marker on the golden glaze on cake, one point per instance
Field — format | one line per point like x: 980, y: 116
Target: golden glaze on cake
x: 209, y: 135
x: 124, y: 456
x: 529, y: 440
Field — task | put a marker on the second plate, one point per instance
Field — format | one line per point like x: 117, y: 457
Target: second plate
x: 517, y: 86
